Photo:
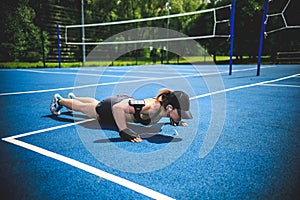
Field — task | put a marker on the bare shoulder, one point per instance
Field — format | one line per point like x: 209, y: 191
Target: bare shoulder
x: 151, y: 103
x: 150, y: 100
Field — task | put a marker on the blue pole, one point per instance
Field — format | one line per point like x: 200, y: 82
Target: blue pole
x: 58, y: 45
x: 231, y: 35
x: 83, y: 33
x: 262, y: 33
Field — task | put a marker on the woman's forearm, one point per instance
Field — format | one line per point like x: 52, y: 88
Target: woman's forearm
x: 120, y: 117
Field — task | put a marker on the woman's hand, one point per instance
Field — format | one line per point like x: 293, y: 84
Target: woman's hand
x: 181, y: 123
x: 130, y: 135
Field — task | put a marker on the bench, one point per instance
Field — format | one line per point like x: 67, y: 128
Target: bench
x: 288, y: 57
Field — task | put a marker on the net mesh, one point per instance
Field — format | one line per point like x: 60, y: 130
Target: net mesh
x: 213, y: 23
x: 131, y: 52
x: 285, y: 16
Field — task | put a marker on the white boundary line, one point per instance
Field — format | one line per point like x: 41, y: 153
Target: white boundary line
x: 78, y: 73
x: 281, y: 85
x: 85, y: 86
x: 118, y: 180
x: 124, y: 82
x: 158, y: 72
x: 244, y: 86
x: 105, y: 75
x: 100, y: 84
x: 48, y: 129
x: 110, y: 177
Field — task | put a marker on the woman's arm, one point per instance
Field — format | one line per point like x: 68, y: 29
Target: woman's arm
x: 119, y: 112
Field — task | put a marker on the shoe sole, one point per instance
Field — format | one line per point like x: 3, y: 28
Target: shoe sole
x: 52, y: 110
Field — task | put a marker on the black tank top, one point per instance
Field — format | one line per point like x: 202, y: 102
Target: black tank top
x: 138, y: 119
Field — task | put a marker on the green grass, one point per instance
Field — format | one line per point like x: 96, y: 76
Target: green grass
x: 118, y: 62
x: 127, y: 61
x: 14, y: 65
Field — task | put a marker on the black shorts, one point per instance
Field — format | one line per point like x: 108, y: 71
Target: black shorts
x: 104, y: 110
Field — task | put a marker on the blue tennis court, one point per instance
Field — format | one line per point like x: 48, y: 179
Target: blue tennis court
x: 243, y: 142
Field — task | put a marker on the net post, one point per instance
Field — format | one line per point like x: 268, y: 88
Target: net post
x: 83, y: 33
x: 231, y: 34
x: 58, y: 45
x: 262, y: 33
x: 168, y: 6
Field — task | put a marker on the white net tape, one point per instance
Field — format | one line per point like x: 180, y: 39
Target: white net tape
x: 213, y: 34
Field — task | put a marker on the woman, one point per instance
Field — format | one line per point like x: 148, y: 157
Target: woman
x: 116, y: 111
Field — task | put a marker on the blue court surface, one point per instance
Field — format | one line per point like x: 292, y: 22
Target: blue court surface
x: 243, y: 142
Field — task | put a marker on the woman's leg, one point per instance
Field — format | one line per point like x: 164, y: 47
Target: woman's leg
x: 86, y: 106
x: 86, y: 100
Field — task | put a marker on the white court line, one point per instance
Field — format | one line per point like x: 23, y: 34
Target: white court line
x: 133, y: 186
x: 281, y: 85
x: 110, y: 177
x: 96, y: 85
x: 48, y: 129
x: 157, y: 72
x: 124, y: 82
x: 84, y: 86
x: 244, y: 86
x: 79, y: 73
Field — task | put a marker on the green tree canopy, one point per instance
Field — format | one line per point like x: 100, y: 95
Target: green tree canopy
x: 21, y: 38
x: 29, y: 25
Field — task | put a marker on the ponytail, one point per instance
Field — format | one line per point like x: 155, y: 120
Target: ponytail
x: 163, y: 96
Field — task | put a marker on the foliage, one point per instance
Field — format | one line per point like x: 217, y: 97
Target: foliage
x: 26, y: 35
x: 21, y: 37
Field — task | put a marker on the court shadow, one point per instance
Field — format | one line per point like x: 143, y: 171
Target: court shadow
x: 66, y: 119
x: 149, y: 133
x: 57, y: 118
x: 75, y: 115
x: 157, y: 139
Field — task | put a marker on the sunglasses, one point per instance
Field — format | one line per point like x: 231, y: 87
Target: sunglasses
x: 176, y: 123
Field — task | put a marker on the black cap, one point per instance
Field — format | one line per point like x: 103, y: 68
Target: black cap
x: 181, y: 101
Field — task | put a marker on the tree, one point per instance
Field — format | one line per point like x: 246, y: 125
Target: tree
x: 247, y: 24
x: 21, y: 39
x: 28, y: 25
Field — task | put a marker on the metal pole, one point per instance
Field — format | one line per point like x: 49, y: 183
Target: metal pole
x: 58, y: 45
x: 168, y: 6
x: 231, y: 35
x: 83, y: 33
x: 262, y: 33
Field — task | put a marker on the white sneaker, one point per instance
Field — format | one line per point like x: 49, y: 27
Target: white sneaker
x: 54, y: 106
x: 71, y: 95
